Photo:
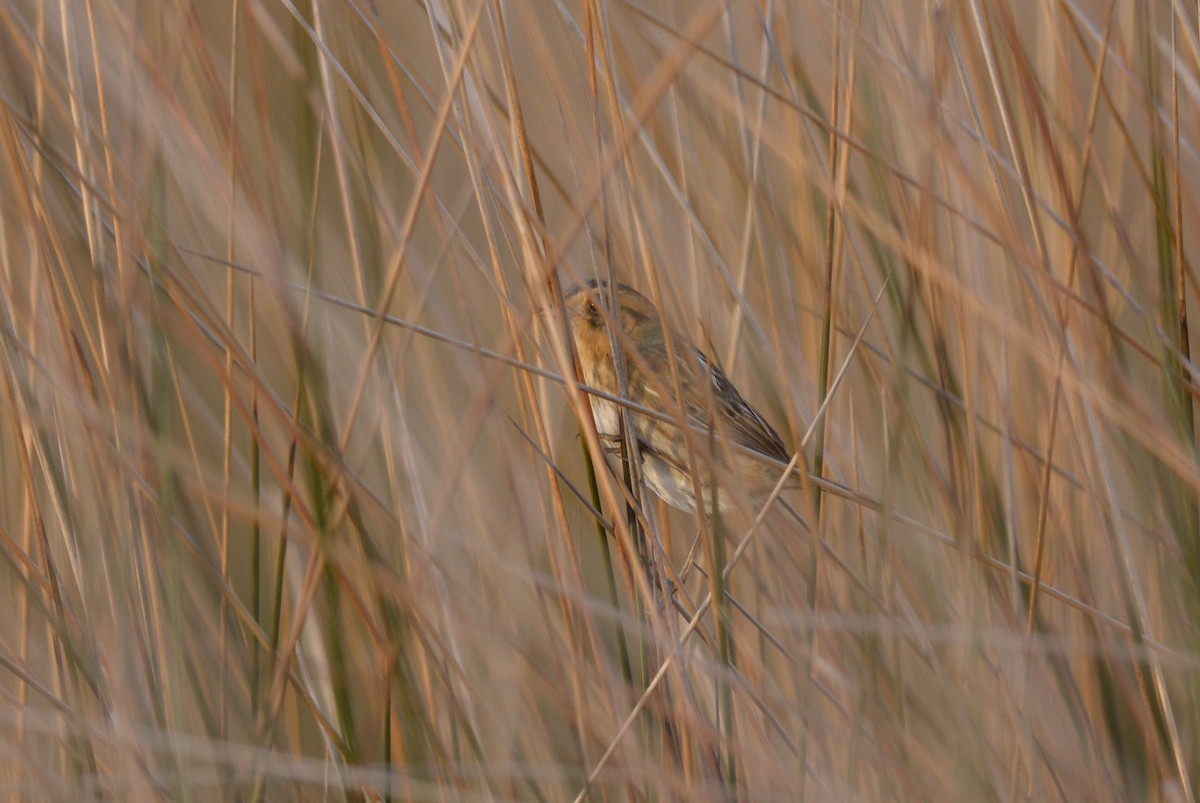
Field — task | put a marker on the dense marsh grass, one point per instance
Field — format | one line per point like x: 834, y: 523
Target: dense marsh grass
x: 294, y: 504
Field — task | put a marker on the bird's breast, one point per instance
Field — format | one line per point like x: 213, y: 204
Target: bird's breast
x: 608, y: 417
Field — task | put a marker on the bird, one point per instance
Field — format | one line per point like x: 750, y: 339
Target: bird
x: 728, y: 437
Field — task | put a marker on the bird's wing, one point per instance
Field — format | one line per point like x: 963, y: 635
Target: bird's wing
x: 742, y: 422
x: 706, y: 389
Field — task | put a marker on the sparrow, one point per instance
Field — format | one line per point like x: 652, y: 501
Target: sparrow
x: 727, y: 436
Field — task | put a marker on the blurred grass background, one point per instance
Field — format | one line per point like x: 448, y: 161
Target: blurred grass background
x: 289, y: 502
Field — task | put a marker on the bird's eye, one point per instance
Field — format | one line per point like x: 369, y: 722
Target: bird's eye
x: 593, y: 312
